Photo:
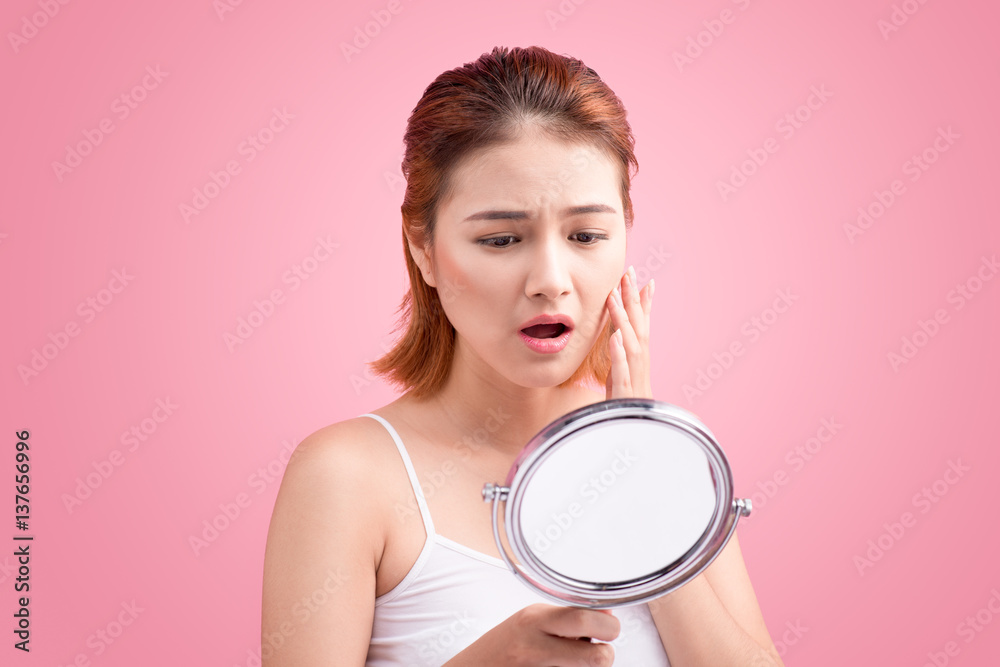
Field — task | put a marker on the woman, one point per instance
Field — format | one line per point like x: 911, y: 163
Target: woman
x: 380, y: 550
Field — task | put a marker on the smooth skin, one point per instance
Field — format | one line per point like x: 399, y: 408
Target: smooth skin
x: 345, y: 527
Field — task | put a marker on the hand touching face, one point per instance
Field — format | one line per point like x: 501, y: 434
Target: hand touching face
x: 630, y: 307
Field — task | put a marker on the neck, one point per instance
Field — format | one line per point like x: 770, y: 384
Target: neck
x: 478, y: 402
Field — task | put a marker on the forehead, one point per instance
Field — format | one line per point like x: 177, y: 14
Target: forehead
x: 534, y: 168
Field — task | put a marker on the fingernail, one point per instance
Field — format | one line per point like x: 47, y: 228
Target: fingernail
x: 652, y: 287
x: 631, y: 274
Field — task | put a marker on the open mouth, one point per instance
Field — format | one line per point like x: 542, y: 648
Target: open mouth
x: 545, y: 330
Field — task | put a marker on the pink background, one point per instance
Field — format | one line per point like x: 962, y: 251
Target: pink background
x: 332, y: 172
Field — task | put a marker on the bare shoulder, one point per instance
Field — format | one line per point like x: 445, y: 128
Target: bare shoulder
x: 342, y: 449
x: 329, y: 475
x: 325, y: 539
x: 337, y: 467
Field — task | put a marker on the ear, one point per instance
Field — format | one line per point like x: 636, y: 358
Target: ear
x: 422, y: 257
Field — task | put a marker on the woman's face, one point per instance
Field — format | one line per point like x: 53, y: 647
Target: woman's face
x: 533, y: 227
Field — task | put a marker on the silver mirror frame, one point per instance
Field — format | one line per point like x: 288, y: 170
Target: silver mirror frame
x: 561, y: 589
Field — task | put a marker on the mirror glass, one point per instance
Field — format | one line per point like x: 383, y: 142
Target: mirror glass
x: 618, y: 501
x: 615, y: 503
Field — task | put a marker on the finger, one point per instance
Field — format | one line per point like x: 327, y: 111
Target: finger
x: 629, y: 310
x: 637, y: 317
x: 575, y: 622
x: 562, y: 652
x: 647, y: 297
x: 620, y: 378
x: 625, y: 313
x: 616, y: 308
x: 634, y: 327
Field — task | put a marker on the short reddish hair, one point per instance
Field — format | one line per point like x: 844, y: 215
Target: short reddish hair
x: 481, y: 104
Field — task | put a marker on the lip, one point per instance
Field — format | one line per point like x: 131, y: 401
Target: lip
x: 548, y: 345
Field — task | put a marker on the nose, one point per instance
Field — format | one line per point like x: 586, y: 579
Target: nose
x: 549, y: 269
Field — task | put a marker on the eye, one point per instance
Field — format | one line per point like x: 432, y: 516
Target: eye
x: 497, y: 241
x: 590, y: 238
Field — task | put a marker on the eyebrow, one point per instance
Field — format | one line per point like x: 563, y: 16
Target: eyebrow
x: 522, y: 215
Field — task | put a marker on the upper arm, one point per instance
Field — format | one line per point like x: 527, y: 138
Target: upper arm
x: 730, y: 580
x: 320, y: 560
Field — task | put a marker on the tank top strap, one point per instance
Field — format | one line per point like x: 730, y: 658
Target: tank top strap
x: 410, y: 472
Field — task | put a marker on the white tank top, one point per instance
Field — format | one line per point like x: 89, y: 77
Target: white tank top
x: 453, y: 595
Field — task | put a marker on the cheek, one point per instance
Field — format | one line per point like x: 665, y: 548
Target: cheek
x: 605, y: 277
x: 595, y: 303
x: 451, y: 274
x: 599, y: 286
x: 466, y: 288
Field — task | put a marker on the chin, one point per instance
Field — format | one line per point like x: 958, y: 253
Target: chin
x: 520, y: 368
x: 552, y: 376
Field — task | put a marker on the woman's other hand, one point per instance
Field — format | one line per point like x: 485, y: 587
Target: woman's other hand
x: 542, y: 635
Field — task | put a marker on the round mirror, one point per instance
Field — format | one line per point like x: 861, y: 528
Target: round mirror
x: 616, y: 503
